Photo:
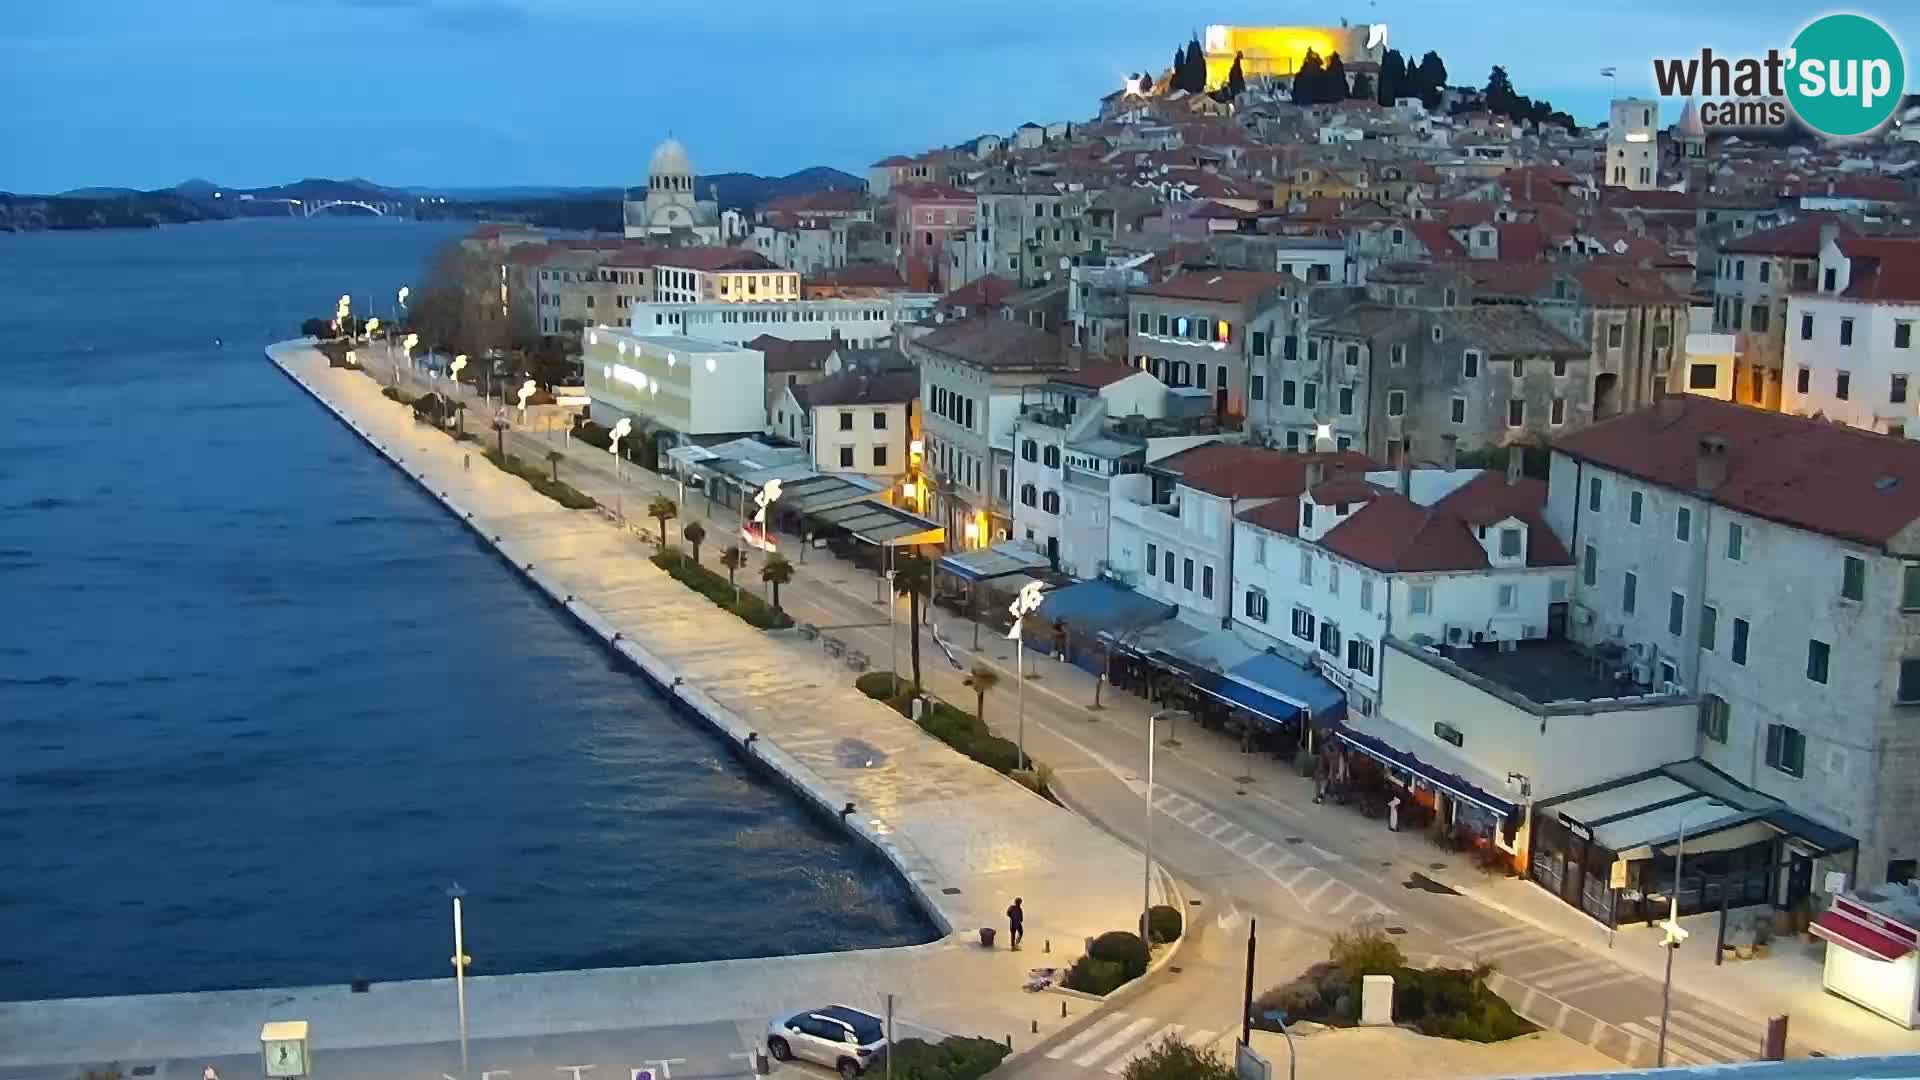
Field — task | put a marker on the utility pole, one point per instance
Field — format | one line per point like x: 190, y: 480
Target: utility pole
x: 1246, y: 1001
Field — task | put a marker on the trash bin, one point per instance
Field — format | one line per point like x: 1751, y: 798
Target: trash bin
x: 986, y: 937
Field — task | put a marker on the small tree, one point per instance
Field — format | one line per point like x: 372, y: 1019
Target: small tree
x: 733, y: 559
x: 553, y: 462
x: 695, y: 534
x: 777, y: 572
x: 1236, y: 80
x: 663, y: 510
x: 913, y: 576
x: 1172, y: 1059
x: 983, y: 679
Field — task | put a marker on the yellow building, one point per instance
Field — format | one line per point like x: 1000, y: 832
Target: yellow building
x: 1278, y: 50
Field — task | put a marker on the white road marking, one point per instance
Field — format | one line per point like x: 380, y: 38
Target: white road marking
x: 1545, y: 976
x: 1114, y: 1042
x: 1342, y: 905
x: 1120, y: 1063
x: 1307, y: 901
x: 1097, y: 1028
x: 1489, y: 937
x: 1298, y: 875
x: 1703, y: 1034
x: 1244, y: 837
x: 1225, y: 825
x: 1254, y: 856
x: 1676, y: 1053
x: 1563, y: 986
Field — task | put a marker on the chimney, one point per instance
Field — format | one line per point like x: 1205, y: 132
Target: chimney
x: 1829, y: 232
x: 1514, y: 457
x: 1450, y: 456
x: 1406, y: 466
x: 1315, y: 470
x: 1710, y: 466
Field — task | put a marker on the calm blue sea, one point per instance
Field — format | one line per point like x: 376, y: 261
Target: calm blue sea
x: 261, y: 702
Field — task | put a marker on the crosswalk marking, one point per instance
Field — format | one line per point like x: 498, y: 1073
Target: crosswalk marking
x: 1490, y: 938
x: 1113, y: 1042
x: 1119, y: 1064
x: 1581, y: 983
x: 1224, y: 826
x: 1676, y: 1053
x: 1547, y: 975
x: 1254, y: 855
x: 1307, y: 901
x: 1098, y: 1027
x: 1698, y: 1032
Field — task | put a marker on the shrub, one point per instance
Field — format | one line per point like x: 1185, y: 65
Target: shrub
x: 1455, y: 1003
x: 1308, y: 996
x: 1092, y: 976
x: 958, y: 1058
x: 1123, y: 947
x: 1365, y: 950
x: 561, y: 492
x: 1163, y: 923
x: 749, y: 607
x: 1037, y: 778
x: 877, y: 685
x: 1172, y: 1059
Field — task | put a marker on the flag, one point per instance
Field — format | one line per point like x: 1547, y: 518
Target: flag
x: 1608, y: 72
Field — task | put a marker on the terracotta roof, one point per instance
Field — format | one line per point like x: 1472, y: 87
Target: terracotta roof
x: 1220, y: 286
x: 1876, y: 188
x: 1890, y: 272
x: 1394, y: 534
x: 1619, y: 286
x: 1281, y: 515
x: 867, y: 275
x: 1251, y: 472
x: 1506, y: 330
x: 1369, y: 321
x: 996, y: 345
x: 713, y: 259
x: 1621, y: 198
x: 1814, y: 475
x: 1799, y: 238
x: 788, y: 356
x: 1521, y: 239
x: 1096, y: 375
x: 818, y: 202
x: 984, y: 292
x: 931, y: 193
x: 1208, y: 210
x: 1438, y: 241
x: 861, y: 388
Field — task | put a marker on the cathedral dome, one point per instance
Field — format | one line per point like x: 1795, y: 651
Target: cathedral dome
x: 670, y: 159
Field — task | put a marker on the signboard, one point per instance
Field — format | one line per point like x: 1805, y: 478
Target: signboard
x: 1617, y: 879
x: 1249, y: 1065
x: 284, y: 1052
x: 1576, y: 828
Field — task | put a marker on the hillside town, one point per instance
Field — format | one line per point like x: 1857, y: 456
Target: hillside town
x: 1563, y: 480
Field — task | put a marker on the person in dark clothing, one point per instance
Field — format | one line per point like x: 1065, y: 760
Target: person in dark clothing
x: 1016, y: 923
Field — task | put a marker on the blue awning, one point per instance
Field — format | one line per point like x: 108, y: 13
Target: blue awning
x: 1274, y: 676
x: 997, y: 561
x: 1401, y: 749
x: 1102, y: 605
x: 1267, y: 707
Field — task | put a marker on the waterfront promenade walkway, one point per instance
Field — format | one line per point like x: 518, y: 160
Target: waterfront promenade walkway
x: 968, y: 839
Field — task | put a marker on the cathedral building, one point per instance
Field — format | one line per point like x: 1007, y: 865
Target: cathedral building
x: 672, y: 210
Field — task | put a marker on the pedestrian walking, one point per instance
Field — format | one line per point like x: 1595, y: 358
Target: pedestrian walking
x: 1016, y: 923
x: 209, y: 1074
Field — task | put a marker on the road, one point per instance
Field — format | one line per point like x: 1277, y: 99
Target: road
x: 1241, y: 831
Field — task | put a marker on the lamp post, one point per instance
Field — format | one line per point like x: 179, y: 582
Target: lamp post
x: 1146, y: 873
x: 1028, y: 601
x: 1673, y: 934
x: 460, y: 962
x: 619, y: 431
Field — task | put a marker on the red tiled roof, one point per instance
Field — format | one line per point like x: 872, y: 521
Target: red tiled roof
x: 1282, y: 515
x: 1251, y: 472
x: 713, y: 259
x: 989, y: 291
x: 1814, y: 475
x: 1892, y: 273
x: 1877, y: 188
x: 1392, y: 533
x: 1618, y: 286
x: 1438, y: 241
x: 865, y: 275
x: 931, y: 193
x: 817, y: 201
x: 1209, y: 210
x: 1521, y: 239
x: 1800, y: 238
x: 1220, y: 286
x: 996, y: 345
x: 1096, y: 375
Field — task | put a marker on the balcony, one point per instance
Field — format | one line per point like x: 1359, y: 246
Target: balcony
x: 1045, y: 416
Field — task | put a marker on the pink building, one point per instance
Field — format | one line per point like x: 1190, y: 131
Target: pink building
x: 925, y: 217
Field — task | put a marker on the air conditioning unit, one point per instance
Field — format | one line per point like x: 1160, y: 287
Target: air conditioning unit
x: 1456, y: 635
x: 1479, y: 636
x: 1672, y: 688
x: 1643, y: 674
x: 1582, y: 615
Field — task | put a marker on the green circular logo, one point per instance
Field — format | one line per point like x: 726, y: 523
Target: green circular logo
x: 1847, y: 76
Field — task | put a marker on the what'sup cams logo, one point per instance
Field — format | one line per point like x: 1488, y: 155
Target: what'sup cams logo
x: 1842, y: 76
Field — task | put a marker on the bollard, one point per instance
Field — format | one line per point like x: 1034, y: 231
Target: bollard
x: 1046, y: 946
x: 1036, y: 1027
x: 1009, y: 1043
x: 1775, y: 1046
x: 1063, y: 1010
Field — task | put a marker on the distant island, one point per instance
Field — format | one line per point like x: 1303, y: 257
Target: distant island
x: 584, y: 208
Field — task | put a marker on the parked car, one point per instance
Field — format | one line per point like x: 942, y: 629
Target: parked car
x: 840, y: 1037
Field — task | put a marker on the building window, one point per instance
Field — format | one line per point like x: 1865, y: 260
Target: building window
x: 1470, y: 364
x: 1766, y: 268
x: 1757, y: 318
x: 1806, y: 328
x: 1206, y: 582
x: 1420, y: 600
x: 1256, y: 605
x: 1908, y: 692
x: 1819, y: 653
x: 1897, y: 392
x: 1787, y: 749
x: 1146, y: 323
x: 1593, y: 495
x: 1399, y: 355
x: 1366, y: 594
x: 1257, y: 387
x: 1153, y: 558
x: 1029, y: 450
x: 1306, y: 557
x: 1346, y: 401
x: 1050, y: 457
x: 1360, y: 656
x: 1853, y: 578
x: 1050, y: 501
x: 1846, y: 331
x: 1709, y: 627
x: 1842, y: 384
x: 1616, y: 334
x: 1590, y: 568
x: 1902, y: 335
x: 1510, y: 543
x: 1910, y: 587
x: 1458, y: 412
x: 1557, y: 413
x: 1736, y: 540
x: 1329, y: 637
x: 1508, y: 597
x: 1309, y: 395
x: 1259, y: 551
x: 846, y: 457
x: 1186, y: 574
x: 1676, y: 614
x: 1737, y: 648
x: 1634, y: 502
x: 1516, y: 413
x: 1803, y: 379
x: 879, y: 420
x: 846, y: 420
x: 1029, y: 495
x: 1629, y: 591
x: 1167, y: 566
x: 1714, y: 713
x: 1683, y: 525
x: 1303, y: 624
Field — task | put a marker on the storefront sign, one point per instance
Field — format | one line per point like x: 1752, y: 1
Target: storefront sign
x: 1618, y: 878
x: 1576, y: 828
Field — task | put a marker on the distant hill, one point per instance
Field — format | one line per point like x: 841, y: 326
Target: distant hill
x: 98, y: 193
x: 749, y: 191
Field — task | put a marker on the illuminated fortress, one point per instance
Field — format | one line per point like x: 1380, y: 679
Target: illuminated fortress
x: 1278, y: 50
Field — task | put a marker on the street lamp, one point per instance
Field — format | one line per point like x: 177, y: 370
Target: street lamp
x: 1026, y: 602
x: 1673, y: 935
x: 1146, y: 875
x: 460, y: 962
x: 620, y: 430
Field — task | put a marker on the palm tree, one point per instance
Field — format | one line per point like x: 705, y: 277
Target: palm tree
x: 733, y: 559
x: 983, y: 679
x: 695, y: 533
x: 913, y: 575
x: 663, y: 510
x: 553, y: 460
x: 777, y: 572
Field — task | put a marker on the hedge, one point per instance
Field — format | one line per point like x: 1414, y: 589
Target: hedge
x: 748, y: 606
x: 1163, y: 923
x: 562, y: 492
x: 1122, y: 947
x: 1091, y: 976
x: 958, y: 1058
x: 956, y: 727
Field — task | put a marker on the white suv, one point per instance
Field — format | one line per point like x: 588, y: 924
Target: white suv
x: 841, y: 1038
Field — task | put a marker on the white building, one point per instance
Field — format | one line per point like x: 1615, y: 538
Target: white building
x: 1850, y: 352
x: 863, y: 322
x: 1055, y: 417
x: 1172, y: 525
x: 1456, y: 556
x: 805, y: 245
x: 671, y: 206
x: 688, y: 386
x: 1771, y: 565
x: 719, y: 275
x: 856, y: 422
x: 1633, y: 144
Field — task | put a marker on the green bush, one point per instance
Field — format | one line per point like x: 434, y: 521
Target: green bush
x: 1123, y: 947
x: 393, y: 394
x: 1163, y: 923
x: 1455, y: 1003
x: 954, y: 726
x: 755, y: 611
x: 563, y: 493
x: 877, y: 685
x: 958, y: 1058
x: 1363, y: 951
x: 1091, y: 976
x: 1174, y: 1059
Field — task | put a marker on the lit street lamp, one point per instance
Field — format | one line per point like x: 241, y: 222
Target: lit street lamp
x: 460, y: 962
x: 619, y: 431
x: 1673, y: 933
x: 1146, y: 877
x: 1025, y: 603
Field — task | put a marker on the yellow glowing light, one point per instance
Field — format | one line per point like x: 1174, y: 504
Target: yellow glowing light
x: 1226, y: 330
x: 1639, y: 137
x: 1323, y: 431
x: 1277, y: 50
x: 973, y: 531
x: 909, y: 489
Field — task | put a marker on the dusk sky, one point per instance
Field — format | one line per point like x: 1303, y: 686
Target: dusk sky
x: 145, y: 93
